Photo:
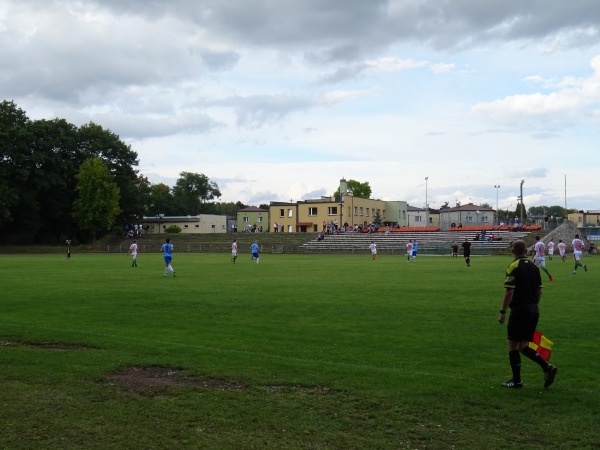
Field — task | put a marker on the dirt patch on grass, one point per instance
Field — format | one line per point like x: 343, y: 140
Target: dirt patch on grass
x: 296, y: 389
x: 160, y: 380
x: 57, y: 346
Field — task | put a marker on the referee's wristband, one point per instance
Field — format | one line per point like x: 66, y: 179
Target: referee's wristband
x: 502, y: 311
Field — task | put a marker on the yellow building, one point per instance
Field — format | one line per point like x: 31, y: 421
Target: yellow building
x: 317, y: 214
x: 346, y: 210
x: 284, y: 215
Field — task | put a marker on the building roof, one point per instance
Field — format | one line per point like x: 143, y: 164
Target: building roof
x: 468, y: 207
x: 252, y: 209
x: 282, y: 204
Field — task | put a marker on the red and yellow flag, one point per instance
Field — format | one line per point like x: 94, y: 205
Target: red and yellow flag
x: 542, y: 345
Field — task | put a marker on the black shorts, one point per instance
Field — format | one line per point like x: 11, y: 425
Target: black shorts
x: 522, y: 322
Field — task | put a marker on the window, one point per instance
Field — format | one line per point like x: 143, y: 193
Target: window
x: 282, y: 212
x: 196, y: 226
x: 246, y: 219
x: 290, y: 212
x: 469, y: 219
x: 185, y: 226
x: 312, y: 211
x: 356, y: 210
x: 260, y: 219
x: 418, y: 219
x: 367, y: 212
x: 332, y: 211
x: 360, y: 211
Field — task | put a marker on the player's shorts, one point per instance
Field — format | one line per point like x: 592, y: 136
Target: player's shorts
x: 540, y: 261
x: 577, y: 255
x: 234, y: 253
x: 168, y: 260
x: 255, y: 254
x: 522, y: 322
x: 414, y: 253
x: 551, y: 251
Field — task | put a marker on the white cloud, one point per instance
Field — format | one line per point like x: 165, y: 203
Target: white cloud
x: 570, y: 99
x: 469, y: 92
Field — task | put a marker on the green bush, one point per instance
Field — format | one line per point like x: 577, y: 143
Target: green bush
x: 172, y: 229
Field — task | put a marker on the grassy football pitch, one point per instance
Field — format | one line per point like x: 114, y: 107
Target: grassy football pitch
x: 299, y: 351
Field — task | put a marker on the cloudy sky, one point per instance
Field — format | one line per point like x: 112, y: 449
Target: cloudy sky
x: 277, y: 100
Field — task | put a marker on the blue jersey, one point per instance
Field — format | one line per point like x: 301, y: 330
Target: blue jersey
x: 254, y: 248
x: 167, y: 249
x: 415, y: 246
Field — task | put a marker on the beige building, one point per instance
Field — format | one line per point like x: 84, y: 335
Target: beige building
x: 467, y: 215
x: 583, y: 219
x: 202, y: 223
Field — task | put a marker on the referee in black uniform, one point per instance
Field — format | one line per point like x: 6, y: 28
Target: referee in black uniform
x: 522, y: 294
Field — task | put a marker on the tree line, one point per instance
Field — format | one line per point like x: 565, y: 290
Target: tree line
x: 61, y: 181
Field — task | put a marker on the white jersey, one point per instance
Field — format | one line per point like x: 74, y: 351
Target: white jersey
x: 562, y: 247
x: 133, y: 249
x: 373, y: 248
x: 577, y: 245
x: 577, y: 248
x: 551, y: 248
x: 234, y: 249
x: 540, y: 249
x: 540, y: 252
x: 409, y: 247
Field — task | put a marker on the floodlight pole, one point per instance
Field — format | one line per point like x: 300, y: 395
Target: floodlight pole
x: 426, y: 204
x: 497, y: 186
x: 522, y: 181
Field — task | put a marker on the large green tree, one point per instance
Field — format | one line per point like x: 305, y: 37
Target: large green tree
x: 56, y: 158
x: 162, y: 201
x: 39, y: 161
x: 358, y: 189
x: 15, y: 169
x: 97, y: 204
x: 120, y: 160
x: 555, y: 211
x: 193, y: 190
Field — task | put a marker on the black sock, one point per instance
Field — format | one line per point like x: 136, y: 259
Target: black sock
x: 535, y: 357
x: 514, y: 357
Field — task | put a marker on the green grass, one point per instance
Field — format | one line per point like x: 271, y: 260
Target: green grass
x: 328, y: 351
